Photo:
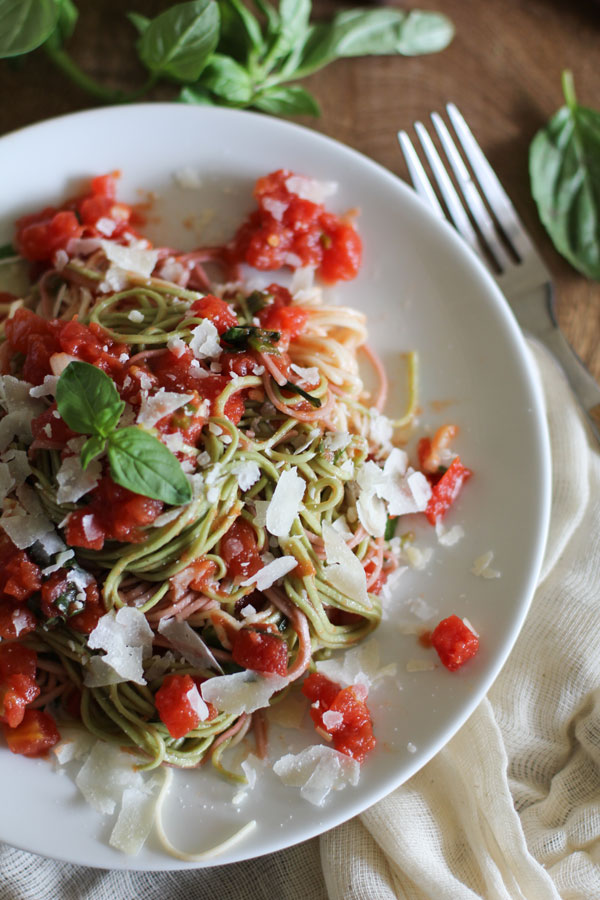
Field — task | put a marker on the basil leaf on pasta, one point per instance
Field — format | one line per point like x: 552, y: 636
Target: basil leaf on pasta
x: 141, y: 463
x: 88, y: 400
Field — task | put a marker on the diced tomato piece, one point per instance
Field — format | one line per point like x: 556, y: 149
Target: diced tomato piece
x: 454, y: 642
x: 85, y: 621
x: 175, y: 707
x: 40, y: 235
x: 351, y: 729
x: 82, y: 617
x: 16, y: 692
x: 320, y: 689
x: 288, y: 229
x: 36, y: 734
x: 15, y: 621
x: 113, y: 513
x: 83, y: 529
x: 16, y: 659
x: 288, y: 319
x: 20, y: 577
x: 241, y: 364
x: 239, y: 550
x: 260, y: 651
x: 446, y: 490
x: 216, y: 311
x: 50, y: 431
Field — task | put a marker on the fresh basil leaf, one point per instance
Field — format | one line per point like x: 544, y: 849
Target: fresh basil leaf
x: 374, y: 32
x: 197, y: 95
x: 139, y: 22
x: 287, y: 101
x: 180, y: 41
x: 241, y: 34
x: 227, y: 79
x: 67, y: 19
x: 243, y: 337
x: 140, y: 462
x: 7, y: 251
x: 92, y: 447
x: 271, y: 16
x: 290, y: 386
x: 25, y: 25
x: 564, y: 165
x: 293, y: 24
x: 88, y: 400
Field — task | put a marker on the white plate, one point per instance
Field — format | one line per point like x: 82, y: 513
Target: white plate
x: 422, y: 290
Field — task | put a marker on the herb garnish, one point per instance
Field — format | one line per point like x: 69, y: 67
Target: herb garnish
x: 564, y: 164
x: 222, y: 53
x: 89, y: 403
x: 290, y: 386
x: 245, y: 337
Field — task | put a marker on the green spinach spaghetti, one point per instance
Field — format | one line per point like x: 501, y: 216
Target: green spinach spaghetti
x: 199, y: 495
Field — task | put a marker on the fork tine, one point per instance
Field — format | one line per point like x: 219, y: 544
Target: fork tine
x: 418, y: 175
x: 471, y: 194
x: 451, y: 198
x: 494, y: 192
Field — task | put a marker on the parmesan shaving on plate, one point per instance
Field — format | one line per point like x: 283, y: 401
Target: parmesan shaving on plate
x: 272, y: 572
x: 188, y: 642
x: 205, y: 341
x: 359, y: 665
x: 131, y: 259
x: 136, y: 816
x: 126, y: 638
x: 106, y: 773
x: 317, y: 771
x: 73, y: 480
x: 241, y: 692
x: 481, y: 566
x: 285, y: 502
x: 163, y: 403
x: 310, y: 188
x: 344, y: 570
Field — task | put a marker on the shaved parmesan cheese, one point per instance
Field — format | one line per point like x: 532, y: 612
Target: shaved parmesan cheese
x: 317, y: 771
x: 241, y: 692
x: 83, y: 246
x: 136, y: 817
x: 417, y: 558
x: 18, y: 464
x: 247, y: 472
x: 7, y: 482
x: 74, y: 481
x: 310, y: 188
x: 285, y: 502
x: 188, y: 642
x: 188, y: 178
x: 61, y: 559
x: 336, y: 440
x: 74, y: 743
x: 127, y: 639
x: 47, y: 388
x: 205, y: 341
x: 59, y: 362
x: 447, y: 538
x: 177, y: 346
x: 131, y: 259
x: 380, y: 428
x: 344, y: 569
x: 15, y: 396
x: 25, y: 528
x: 163, y: 403
x: 197, y: 703
x: 307, y: 376
x: 275, y: 207
x: 136, y: 315
x: 272, y: 572
x: 260, y: 516
x: 159, y: 665
x: 360, y: 665
x: 105, y: 226
x: 106, y: 773
x: 480, y: 567
x: 332, y: 719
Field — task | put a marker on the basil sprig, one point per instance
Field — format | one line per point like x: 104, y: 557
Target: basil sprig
x: 221, y: 53
x: 89, y: 403
x: 244, y: 337
x: 564, y: 165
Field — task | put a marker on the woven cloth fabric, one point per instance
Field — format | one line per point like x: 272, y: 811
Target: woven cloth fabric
x: 509, y: 810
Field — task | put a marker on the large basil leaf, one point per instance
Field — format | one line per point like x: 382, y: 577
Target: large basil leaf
x: 180, y: 41
x: 140, y: 462
x: 374, y: 32
x: 293, y: 24
x: 241, y: 33
x: 228, y: 79
x: 287, y: 101
x: 564, y: 165
x: 25, y: 25
x: 88, y: 400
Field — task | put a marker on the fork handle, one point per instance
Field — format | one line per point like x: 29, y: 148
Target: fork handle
x: 584, y: 386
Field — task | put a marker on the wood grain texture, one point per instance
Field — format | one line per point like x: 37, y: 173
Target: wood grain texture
x: 502, y: 70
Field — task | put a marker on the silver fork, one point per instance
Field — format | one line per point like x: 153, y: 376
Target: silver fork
x: 525, y: 281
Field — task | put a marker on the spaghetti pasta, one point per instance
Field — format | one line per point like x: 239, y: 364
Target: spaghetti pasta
x: 143, y: 610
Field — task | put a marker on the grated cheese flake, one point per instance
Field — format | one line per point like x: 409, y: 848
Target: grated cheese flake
x: 182, y: 638
x: 241, y: 692
x: 204, y: 343
x: 73, y: 480
x: 163, y: 403
x: 285, y: 502
x: 247, y: 472
x: 344, y: 569
x: 138, y: 260
x: 271, y: 572
x: 317, y: 771
x: 126, y: 638
x: 105, y: 774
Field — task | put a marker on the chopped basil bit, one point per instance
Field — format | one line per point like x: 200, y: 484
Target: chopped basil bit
x: 248, y: 337
x: 314, y: 401
x: 390, y: 528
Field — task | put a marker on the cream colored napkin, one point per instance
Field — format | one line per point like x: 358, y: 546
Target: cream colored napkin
x: 509, y: 810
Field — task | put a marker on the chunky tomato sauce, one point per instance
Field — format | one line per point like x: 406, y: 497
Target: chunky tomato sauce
x: 351, y: 729
x: 287, y: 229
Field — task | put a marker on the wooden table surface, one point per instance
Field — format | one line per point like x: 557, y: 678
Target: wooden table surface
x: 503, y: 70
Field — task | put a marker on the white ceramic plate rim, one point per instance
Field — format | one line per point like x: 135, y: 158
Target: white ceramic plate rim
x: 490, y: 295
